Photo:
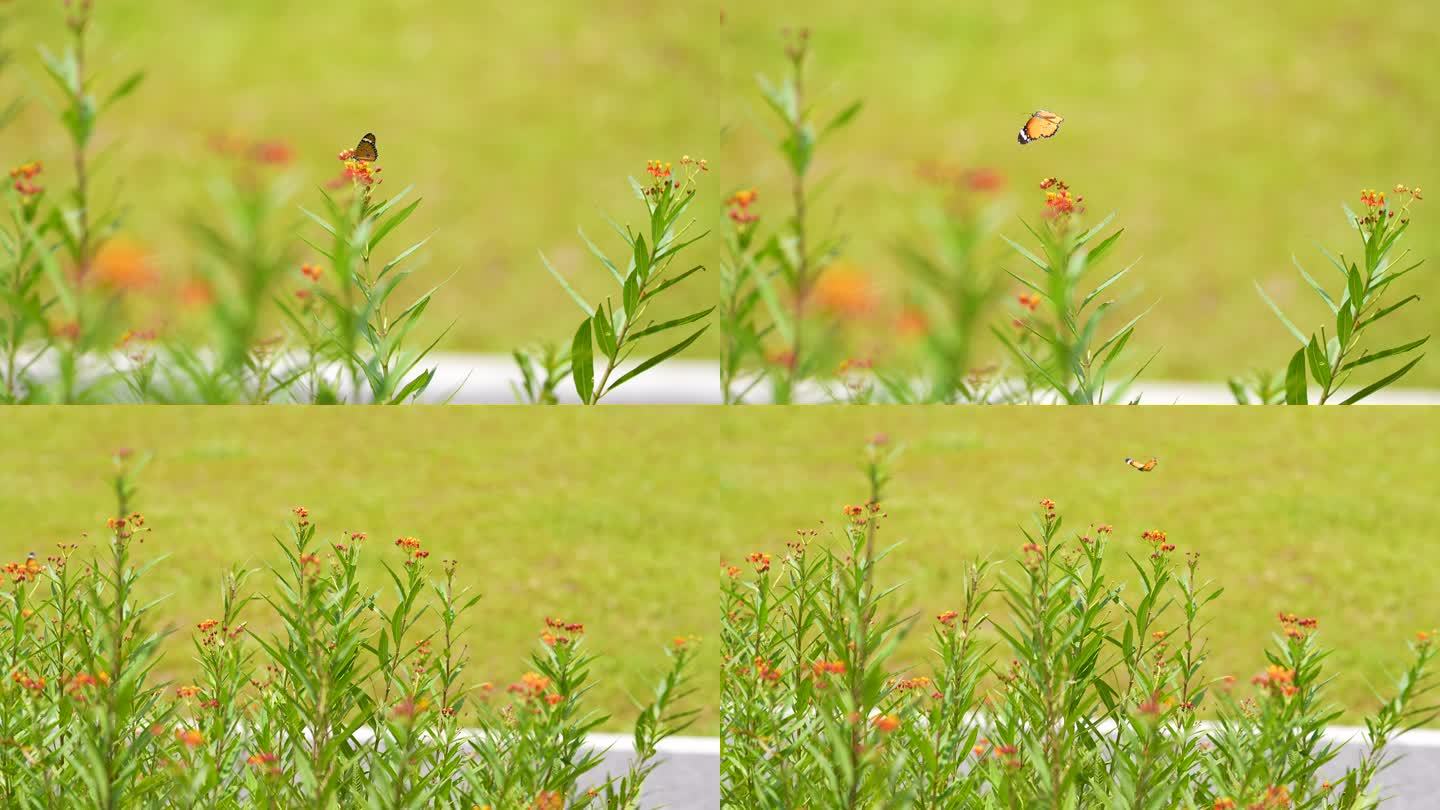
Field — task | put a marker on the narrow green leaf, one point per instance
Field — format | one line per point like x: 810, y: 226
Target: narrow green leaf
x: 604, y: 333
x: 1319, y: 363
x: 1315, y: 285
x: 391, y: 224
x: 581, y: 302
x: 1376, y: 386
x: 1381, y: 355
x: 651, y: 362
x: 1295, y: 392
x: 1035, y: 260
x: 1300, y: 336
x: 843, y: 118
x: 582, y: 363
x: 661, y: 327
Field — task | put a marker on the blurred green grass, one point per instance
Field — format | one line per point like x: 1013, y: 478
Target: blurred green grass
x: 1225, y: 135
x: 618, y: 517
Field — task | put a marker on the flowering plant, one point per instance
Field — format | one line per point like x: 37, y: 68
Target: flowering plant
x: 783, y: 271
x: 356, y: 698
x: 616, y: 330
x: 1332, y: 360
x: 1081, y: 694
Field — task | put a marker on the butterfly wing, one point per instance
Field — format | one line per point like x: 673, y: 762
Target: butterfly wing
x: 365, y: 151
x: 1150, y: 465
x: 1043, y: 124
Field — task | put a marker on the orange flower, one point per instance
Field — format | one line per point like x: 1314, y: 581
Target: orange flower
x: 548, y: 800
x: 310, y: 271
x: 1225, y: 803
x: 1372, y: 198
x: 739, y: 205
x: 844, y: 291
x: 948, y: 618
x: 1029, y: 301
x: 912, y: 323
x: 984, y: 179
x: 274, y: 153
x: 124, y: 266
x: 886, y: 723
x: 190, y: 736
x: 760, y: 560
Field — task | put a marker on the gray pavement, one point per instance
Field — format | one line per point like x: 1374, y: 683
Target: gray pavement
x: 689, y: 775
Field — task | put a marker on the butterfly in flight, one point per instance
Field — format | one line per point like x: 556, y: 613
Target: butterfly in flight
x: 365, y: 151
x: 1043, y: 124
x: 1143, y: 466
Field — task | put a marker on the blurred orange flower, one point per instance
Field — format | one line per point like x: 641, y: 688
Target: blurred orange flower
x: 845, y: 291
x: 124, y: 266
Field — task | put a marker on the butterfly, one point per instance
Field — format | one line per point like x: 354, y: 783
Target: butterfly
x: 1143, y: 466
x: 365, y: 151
x: 1043, y: 124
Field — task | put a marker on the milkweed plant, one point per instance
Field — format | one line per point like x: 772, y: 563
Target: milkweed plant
x: 357, y: 697
x: 773, y: 330
x: 1331, y: 361
x: 1077, y: 692
x: 609, y: 334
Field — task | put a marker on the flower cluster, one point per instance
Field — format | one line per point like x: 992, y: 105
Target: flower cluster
x: 24, y: 176
x: 739, y: 207
x: 1059, y: 202
x: 1297, y: 628
x: 1159, y: 540
x: 553, y: 635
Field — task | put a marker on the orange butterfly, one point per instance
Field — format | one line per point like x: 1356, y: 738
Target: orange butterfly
x: 1143, y: 466
x: 1043, y: 124
x: 365, y: 151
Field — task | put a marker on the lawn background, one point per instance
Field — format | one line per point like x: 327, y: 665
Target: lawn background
x: 1226, y: 135
x: 619, y: 517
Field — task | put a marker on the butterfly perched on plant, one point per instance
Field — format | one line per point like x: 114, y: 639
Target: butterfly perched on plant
x: 365, y: 151
x: 1043, y: 124
x: 1143, y: 466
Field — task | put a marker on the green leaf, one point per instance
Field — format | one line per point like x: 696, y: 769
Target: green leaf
x: 124, y: 89
x: 651, y: 362
x: 1035, y: 260
x: 642, y: 258
x: 582, y: 363
x: 391, y: 224
x: 581, y: 302
x: 1295, y: 393
x: 630, y: 296
x: 843, y: 118
x: 1300, y: 336
x: 1344, y: 324
x: 1381, y: 355
x: 414, y: 388
x: 605, y: 260
x: 1315, y: 285
x: 1356, y: 286
x: 1319, y: 363
x: 1103, y: 248
x: 604, y: 333
x: 1106, y: 283
x: 673, y: 280
x: 1376, y: 386
x: 661, y: 327
x: 1387, y: 310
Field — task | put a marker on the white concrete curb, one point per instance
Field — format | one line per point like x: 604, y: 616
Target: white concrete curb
x: 484, y: 379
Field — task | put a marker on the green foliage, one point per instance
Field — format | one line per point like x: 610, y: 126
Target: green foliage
x: 953, y: 288
x: 1066, y: 354
x: 782, y: 270
x: 359, y: 698
x: 616, y: 329
x: 1084, y: 695
x: 1330, y: 360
